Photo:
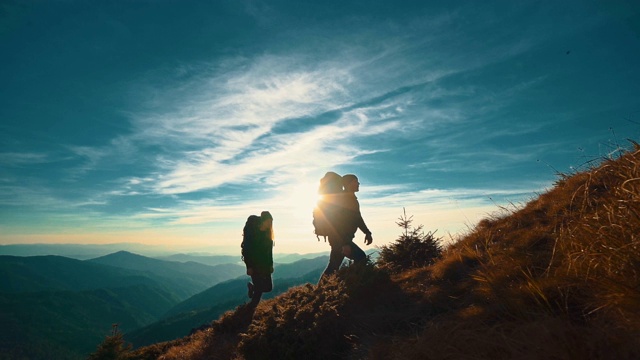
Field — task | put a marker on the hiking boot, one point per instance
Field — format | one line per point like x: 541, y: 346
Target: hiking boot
x: 250, y: 287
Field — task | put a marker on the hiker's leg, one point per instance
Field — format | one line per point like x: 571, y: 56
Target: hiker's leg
x: 268, y: 283
x: 256, y: 295
x: 263, y: 282
x: 335, y: 260
x: 357, y: 254
x: 250, y: 289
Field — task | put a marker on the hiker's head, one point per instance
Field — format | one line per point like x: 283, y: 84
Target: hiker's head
x: 350, y: 183
x: 266, y: 221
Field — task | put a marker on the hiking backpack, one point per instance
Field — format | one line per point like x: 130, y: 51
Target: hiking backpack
x: 325, y: 212
x: 249, y: 235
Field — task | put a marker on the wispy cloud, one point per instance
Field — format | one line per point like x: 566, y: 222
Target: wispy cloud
x: 11, y: 159
x: 41, y: 198
x: 274, y: 119
x: 228, y: 136
x: 279, y: 116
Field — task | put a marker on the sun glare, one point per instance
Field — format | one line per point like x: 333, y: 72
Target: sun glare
x: 301, y: 199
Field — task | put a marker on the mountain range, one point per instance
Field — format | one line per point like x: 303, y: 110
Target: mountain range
x: 82, y: 251
x: 60, y: 307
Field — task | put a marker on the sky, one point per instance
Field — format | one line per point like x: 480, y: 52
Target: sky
x: 168, y: 123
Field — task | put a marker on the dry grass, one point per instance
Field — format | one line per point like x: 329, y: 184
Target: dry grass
x: 556, y: 279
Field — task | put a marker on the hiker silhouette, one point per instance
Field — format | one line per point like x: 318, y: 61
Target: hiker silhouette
x: 343, y: 213
x: 257, y: 254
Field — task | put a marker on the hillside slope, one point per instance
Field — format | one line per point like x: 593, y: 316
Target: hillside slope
x: 236, y: 289
x: 211, y: 303
x: 557, y: 278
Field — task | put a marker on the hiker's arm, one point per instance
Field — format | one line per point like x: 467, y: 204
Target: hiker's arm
x: 362, y: 226
x: 360, y: 222
x: 368, y: 239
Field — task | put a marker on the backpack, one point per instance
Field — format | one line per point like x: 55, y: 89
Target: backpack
x: 248, y: 236
x: 325, y: 212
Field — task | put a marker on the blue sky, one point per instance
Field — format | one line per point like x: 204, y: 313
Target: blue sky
x: 169, y: 122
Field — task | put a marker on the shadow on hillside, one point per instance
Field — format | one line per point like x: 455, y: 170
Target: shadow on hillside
x: 237, y: 320
x: 350, y: 312
x: 219, y: 339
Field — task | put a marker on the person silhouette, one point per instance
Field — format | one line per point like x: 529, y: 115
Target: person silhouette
x: 257, y: 254
x: 347, y: 222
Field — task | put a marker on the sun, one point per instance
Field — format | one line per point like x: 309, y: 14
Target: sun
x: 301, y: 199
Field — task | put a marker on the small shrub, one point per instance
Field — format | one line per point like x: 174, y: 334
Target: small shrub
x: 112, y: 348
x: 413, y: 249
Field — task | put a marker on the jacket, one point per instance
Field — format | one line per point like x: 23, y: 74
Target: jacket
x: 350, y: 217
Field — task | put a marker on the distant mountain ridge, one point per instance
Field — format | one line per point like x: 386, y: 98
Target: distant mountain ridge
x: 92, y: 251
x: 289, y: 258
x: 191, y: 276
x: 59, y: 307
x: 66, y: 305
x: 46, y: 273
x: 80, y: 251
x: 203, y: 259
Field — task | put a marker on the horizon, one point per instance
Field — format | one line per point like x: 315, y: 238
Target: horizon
x: 169, y: 124
x: 140, y: 249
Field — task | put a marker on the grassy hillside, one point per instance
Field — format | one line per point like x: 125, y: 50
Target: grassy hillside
x: 211, y: 303
x: 558, y: 278
x: 236, y: 289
